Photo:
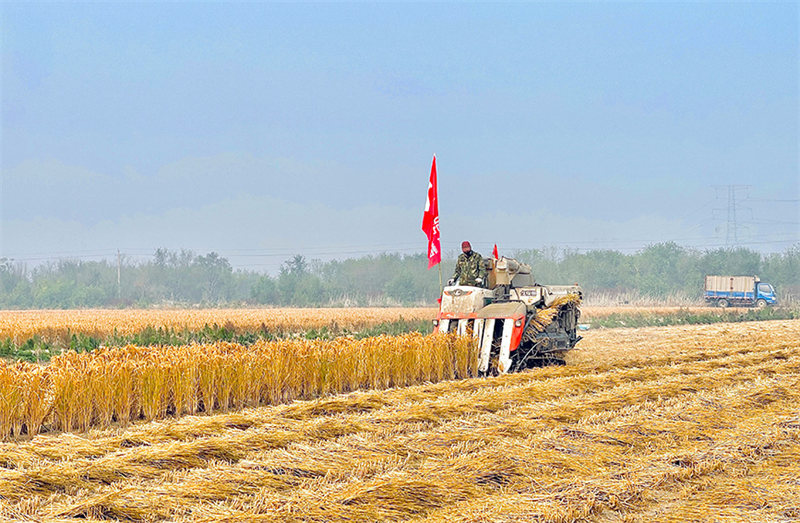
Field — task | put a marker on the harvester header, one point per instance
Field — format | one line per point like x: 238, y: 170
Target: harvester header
x: 516, y: 322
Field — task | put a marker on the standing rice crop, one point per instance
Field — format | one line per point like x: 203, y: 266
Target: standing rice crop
x: 97, y: 389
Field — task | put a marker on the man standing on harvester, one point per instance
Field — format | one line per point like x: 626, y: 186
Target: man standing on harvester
x: 470, y: 269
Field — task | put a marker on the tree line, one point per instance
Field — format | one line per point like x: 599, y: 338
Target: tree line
x: 185, y: 278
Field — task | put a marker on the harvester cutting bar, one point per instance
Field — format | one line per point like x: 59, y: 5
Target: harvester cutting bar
x: 504, y: 364
x: 485, y: 343
x: 483, y: 331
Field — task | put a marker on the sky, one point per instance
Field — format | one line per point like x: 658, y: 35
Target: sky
x: 261, y: 130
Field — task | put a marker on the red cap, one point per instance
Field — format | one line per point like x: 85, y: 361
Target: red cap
x: 466, y: 245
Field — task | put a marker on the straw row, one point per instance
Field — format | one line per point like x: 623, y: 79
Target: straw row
x: 79, y: 391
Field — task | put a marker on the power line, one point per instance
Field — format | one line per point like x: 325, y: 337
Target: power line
x: 621, y: 244
x: 773, y: 200
x: 732, y: 225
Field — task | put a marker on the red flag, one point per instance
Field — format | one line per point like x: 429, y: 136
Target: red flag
x: 494, y: 253
x: 430, y: 220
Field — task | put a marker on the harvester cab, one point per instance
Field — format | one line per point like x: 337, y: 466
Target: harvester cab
x: 516, y: 322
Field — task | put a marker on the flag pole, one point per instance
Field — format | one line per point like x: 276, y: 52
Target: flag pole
x: 441, y: 287
x: 430, y: 224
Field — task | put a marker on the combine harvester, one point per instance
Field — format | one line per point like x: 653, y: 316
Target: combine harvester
x: 517, y: 323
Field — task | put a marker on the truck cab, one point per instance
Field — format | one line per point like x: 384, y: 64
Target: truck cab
x: 765, y: 292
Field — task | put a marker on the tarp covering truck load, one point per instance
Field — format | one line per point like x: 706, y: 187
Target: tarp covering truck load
x: 516, y: 322
x: 739, y: 291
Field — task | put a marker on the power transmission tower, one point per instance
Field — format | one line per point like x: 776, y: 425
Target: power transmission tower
x: 119, y: 274
x: 732, y: 224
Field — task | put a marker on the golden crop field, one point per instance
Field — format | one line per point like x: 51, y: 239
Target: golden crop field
x: 687, y: 423
x: 123, y: 384
x: 58, y: 325
x: 99, y: 323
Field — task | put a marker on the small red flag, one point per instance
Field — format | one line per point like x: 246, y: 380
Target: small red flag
x: 430, y: 220
x: 494, y: 252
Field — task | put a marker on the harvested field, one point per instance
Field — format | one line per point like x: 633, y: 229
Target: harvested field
x: 687, y: 423
x: 613, y: 317
x: 598, y: 311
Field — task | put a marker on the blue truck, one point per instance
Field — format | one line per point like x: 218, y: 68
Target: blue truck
x: 739, y: 291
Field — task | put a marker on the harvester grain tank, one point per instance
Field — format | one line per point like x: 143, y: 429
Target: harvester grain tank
x: 739, y: 291
x: 516, y: 322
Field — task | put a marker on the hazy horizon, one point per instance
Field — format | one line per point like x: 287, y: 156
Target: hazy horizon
x: 260, y: 131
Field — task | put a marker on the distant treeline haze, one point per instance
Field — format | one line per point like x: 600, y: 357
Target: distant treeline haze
x: 664, y: 271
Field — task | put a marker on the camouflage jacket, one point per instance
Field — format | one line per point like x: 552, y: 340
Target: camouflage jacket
x: 468, y: 268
